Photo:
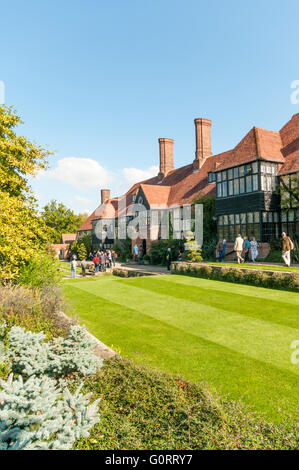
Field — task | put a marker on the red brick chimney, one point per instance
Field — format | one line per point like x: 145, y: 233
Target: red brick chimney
x: 203, y: 141
x: 105, y: 195
x: 166, y: 156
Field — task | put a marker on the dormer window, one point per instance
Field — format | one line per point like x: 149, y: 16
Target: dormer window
x: 134, y: 197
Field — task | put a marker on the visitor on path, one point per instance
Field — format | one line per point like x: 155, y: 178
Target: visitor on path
x: 102, y: 261
x: 247, y: 247
x: 168, y: 259
x: 178, y: 255
x: 96, y: 262
x: 254, y: 249
x: 83, y: 267
x: 139, y: 257
x: 90, y: 257
x: 224, y: 247
x: 114, y: 257
x: 287, y: 246
x: 73, y: 267
x: 135, y: 252
x: 238, y: 247
x: 109, y: 255
x: 220, y: 250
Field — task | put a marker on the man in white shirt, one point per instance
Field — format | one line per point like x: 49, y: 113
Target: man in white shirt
x: 239, y: 248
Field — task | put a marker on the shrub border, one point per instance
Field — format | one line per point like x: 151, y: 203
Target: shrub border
x: 239, y: 275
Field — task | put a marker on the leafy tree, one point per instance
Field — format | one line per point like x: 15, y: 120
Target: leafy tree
x: 60, y: 220
x: 18, y: 157
x: 22, y: 231
x: 82, y: 247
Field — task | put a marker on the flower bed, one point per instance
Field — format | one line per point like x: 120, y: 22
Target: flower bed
x: 241, y: 275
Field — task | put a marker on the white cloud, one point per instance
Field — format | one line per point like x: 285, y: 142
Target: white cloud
x: 83, y: 199
x: 134, y: 175
x: 82, y: 173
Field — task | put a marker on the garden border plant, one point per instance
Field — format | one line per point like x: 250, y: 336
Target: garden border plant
x: 240, y: 275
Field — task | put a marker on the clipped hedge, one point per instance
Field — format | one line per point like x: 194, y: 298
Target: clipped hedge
x: 255, y: 277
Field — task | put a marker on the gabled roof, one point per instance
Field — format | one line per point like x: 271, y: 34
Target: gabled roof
x: 68, y: 237
x: 257, y: 144
x: 87, y: 224
x: 290, y: 138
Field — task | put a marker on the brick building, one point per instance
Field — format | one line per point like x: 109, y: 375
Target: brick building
x: 244, y: 181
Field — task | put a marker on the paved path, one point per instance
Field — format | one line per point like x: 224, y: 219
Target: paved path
x: 143, y: 268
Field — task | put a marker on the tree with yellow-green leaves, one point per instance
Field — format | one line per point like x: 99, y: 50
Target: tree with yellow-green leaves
x: 22, y: 231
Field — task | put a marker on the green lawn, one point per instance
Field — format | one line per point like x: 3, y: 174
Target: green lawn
x: 236, y: 338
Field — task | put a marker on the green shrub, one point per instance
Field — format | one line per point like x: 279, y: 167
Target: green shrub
x: 281, y: 280
x: 158, y: 250
x: 143, y: 408
x: 82, y: 246
x: 41, y: 271
x: 34, y: 309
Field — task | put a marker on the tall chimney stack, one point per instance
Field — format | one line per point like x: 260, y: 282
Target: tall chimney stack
x: 105, y: 195
x: 166, y: 156
x: 203, y: 141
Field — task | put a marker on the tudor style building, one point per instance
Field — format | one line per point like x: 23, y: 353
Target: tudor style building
x: 244, y: 181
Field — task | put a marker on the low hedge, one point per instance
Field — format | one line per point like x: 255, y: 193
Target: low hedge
x: 255, y: 277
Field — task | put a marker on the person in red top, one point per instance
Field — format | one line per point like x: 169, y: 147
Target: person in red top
x: 96, y: 262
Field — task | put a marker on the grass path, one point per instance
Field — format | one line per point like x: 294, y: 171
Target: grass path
x: 237, y: 338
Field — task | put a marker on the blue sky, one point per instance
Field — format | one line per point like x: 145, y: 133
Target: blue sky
x: 101, y: 81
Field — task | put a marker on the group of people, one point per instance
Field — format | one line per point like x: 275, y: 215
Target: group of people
x: 101, y: 259
x: 243, y: 248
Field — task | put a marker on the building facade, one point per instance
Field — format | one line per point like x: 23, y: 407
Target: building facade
x: 245, y: 182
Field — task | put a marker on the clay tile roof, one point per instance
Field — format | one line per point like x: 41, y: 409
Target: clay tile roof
x: 68, y: 237
x: 87, y: 224
x: 156, y: 194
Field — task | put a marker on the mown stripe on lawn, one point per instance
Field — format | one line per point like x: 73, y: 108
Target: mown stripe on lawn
x: 255, y: 338
x: 250, y: 291
x: 273, y: 311
x: 155, y: 343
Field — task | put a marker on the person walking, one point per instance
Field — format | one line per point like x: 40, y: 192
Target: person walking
x: 135, y: 252
x: 73, y: 267
x: 220, y: 250
x: 247, y: 248
x: 109, y: 258
x: 168, y: 258
x: 254, y: 249
x: 113, y: 258
x: 96, y: 262
x: 83, y: 267
x: 224, y: 247
x: 139, y: 258
x: 238, y: 247
x: 287, y: 246
x: 102, y: 261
